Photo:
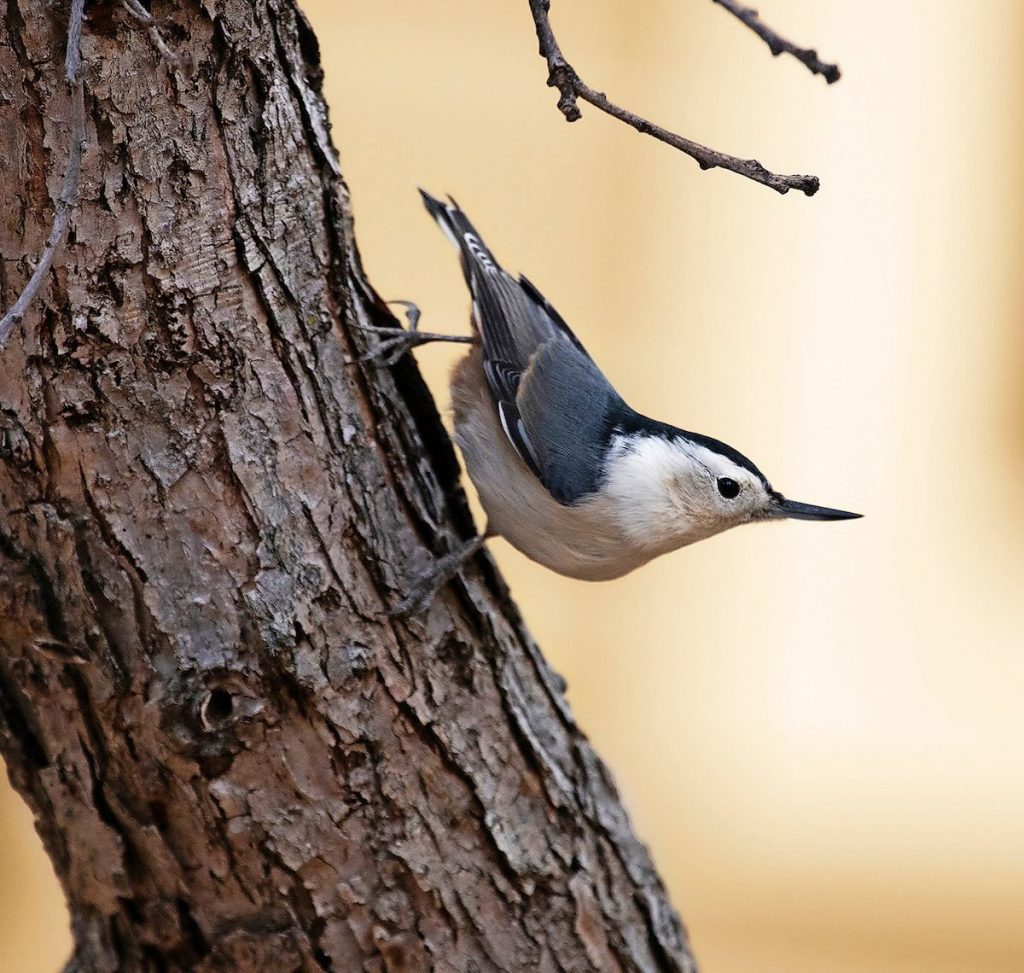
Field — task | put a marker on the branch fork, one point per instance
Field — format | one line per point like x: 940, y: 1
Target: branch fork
x: 571, y: 88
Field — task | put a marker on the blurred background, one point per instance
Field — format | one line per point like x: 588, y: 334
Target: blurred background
x: 818, y: 728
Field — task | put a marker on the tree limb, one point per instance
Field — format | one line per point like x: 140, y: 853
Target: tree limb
x: 779, y: 45
x: 571, y: 87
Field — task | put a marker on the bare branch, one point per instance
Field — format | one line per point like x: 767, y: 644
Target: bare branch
x: 572, y: 87
x: 779, y: 45
x: 69, y: 189
x: 139, y: 12
x: 144, y: 17
x: 73, y: 54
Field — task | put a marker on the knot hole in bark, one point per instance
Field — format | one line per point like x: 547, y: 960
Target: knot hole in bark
x: 225, y: 701
x: 217, y: 708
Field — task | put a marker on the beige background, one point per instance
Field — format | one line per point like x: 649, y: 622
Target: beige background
x: 818, y: 728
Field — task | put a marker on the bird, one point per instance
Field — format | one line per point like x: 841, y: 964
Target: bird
x: 566, y: 472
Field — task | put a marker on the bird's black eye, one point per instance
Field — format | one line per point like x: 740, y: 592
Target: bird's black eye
x: 729, y: 489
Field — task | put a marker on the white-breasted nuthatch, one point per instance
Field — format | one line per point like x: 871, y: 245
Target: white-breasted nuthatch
x: 565, y: 470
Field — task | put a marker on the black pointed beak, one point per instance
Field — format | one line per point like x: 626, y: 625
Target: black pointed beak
x: 795, y: 510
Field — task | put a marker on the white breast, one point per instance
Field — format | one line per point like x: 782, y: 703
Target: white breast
x: 590, y: 541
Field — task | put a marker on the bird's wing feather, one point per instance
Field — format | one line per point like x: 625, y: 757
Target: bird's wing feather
x: 552, y: 400
x: 546, y: 317
x: 565, y: 403
x: 503, y: 381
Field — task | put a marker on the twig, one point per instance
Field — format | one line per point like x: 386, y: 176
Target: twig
x: 69, y: 190
x: 139, y: 12
x: 143, y: 16
x: 779, y: 45
x: 572, y: 87
x: 73, y: 54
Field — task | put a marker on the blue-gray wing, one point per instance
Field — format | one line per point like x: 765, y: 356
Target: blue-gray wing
x: 566, y: 409
x: 553, y: 402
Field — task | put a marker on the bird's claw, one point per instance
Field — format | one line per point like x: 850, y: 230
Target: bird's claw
x: 422, y: 588
x: 412, y: 313
x: 399, y: 341
x: 413, y: 604
x: 388, y: 352
x: 421, y: 591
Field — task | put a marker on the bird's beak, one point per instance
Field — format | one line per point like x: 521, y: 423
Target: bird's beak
x: 795, y: 510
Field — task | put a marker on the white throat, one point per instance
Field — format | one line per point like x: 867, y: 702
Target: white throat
x: 658, y: 489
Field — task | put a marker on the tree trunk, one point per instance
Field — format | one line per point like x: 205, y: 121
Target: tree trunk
x: 236, y: 760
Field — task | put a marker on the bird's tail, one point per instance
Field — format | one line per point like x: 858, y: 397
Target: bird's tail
x: 455, y: 225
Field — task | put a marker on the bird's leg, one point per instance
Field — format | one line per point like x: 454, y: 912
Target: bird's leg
x: 398, y: 340
x: 423, y: 587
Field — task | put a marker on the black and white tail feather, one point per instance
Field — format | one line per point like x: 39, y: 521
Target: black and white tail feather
x: 555, y: 405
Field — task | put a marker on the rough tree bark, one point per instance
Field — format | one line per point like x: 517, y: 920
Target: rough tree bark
x: 235, y: 759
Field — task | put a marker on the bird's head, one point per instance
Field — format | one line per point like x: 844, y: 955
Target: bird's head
x: 673, y: 488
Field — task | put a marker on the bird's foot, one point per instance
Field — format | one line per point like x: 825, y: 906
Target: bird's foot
x: 412, y: 313
x: 422, y: 588
x: 398, y: 341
